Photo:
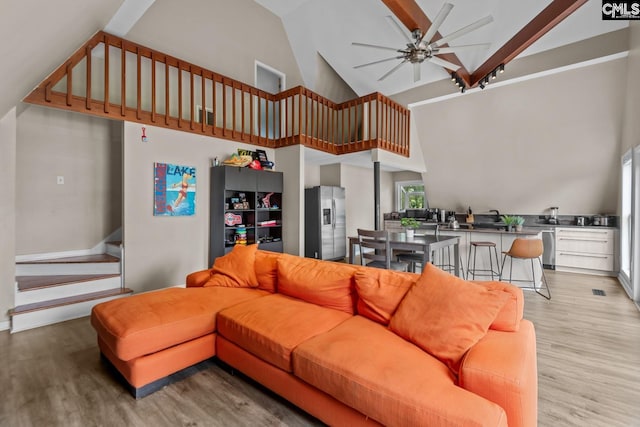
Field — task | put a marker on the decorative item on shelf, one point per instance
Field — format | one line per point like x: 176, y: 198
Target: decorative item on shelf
x: 232, y: 219
x: 264, y: 161
x: 241, y: 235
x: 238, y: 161
x: 410, y: 224
x: 266, y: 201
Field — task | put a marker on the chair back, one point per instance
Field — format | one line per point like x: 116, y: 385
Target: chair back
x: 526, y: 248
x: 378, y: 240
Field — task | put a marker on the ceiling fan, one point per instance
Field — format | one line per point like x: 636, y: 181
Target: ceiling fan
x: 420, y: 47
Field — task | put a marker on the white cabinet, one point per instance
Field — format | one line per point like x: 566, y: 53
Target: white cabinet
x: 589, y: 250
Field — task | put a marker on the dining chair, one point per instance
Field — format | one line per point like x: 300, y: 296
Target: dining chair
x: 375, y: 250
x: 527, y: 249
x: 415, y: 259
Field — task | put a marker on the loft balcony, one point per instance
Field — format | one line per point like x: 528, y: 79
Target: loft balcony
x: 115, y: 78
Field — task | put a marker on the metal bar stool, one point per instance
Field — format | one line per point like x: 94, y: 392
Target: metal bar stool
x: 483, y: 272
x: 527, y: 249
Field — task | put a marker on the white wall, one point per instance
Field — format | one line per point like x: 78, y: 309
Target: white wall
x: 159, y: 250
x: 631, y: 129
x: 8, y: 125
x: 290, y: 160
x: 86, y: 151
x: 227, y: 41
x: 551, y: 141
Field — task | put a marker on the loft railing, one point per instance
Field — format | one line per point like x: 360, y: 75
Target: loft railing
x: 115, y: 78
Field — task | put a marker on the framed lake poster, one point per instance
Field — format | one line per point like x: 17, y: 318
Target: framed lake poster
x: 174, y: 191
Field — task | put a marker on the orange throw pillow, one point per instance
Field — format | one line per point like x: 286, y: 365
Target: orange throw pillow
x: 445, y: 315
x: 381, y: 291
x: 235, y: 269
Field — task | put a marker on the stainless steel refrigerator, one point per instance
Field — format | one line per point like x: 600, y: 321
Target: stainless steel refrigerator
x: 325, y: 229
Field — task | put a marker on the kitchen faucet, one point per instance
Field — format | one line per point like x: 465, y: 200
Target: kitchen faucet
x: 497, y: 214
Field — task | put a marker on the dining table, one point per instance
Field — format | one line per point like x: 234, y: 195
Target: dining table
x: 419, y: 243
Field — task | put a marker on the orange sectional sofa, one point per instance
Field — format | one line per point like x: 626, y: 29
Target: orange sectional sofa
x: 350, y: 345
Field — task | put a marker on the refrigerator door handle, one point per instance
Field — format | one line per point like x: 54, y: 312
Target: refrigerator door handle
x: 333, y: 211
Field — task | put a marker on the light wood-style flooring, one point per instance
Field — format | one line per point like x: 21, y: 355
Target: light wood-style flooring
x: 588, y: 363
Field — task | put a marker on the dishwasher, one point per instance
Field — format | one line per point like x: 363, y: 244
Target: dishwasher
x: 549, y: 243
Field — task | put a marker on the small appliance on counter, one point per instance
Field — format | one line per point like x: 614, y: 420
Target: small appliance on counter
x: 553, y: 218
x: 600, y: 220
x: 580, y: 221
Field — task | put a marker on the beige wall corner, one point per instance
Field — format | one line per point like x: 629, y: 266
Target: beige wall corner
x: 290, y: 161
x: 8, y: 125
x: 330, y: 85
x: 85, y: 152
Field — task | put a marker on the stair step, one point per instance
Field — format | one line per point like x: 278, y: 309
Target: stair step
x: 74, y: 265
x: 115, y: 243
x: 29, y: 283
x: 59, y: 302
x: 97, y: 258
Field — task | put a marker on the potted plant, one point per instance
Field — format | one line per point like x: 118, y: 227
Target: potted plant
x: 513, y: 222
x: 519, y: 222
x: 509, y: 221
x: 409, y: 224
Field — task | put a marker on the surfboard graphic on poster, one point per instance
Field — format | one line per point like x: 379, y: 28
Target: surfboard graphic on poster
x: 174, y: 191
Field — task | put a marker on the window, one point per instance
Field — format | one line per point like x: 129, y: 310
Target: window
x: 410, y: 195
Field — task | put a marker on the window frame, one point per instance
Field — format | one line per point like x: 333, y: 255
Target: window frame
x: 400, y: 190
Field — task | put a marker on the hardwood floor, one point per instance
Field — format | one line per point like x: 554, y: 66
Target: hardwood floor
x: 588, y: 364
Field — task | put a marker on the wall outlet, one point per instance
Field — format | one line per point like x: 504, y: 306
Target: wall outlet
x: 60, y: 180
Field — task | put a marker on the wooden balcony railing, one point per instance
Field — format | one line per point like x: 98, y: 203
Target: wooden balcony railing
x: 115, y: 78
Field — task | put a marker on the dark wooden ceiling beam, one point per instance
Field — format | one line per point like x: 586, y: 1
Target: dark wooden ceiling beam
x: 413, y: 17
x: 551, y: 16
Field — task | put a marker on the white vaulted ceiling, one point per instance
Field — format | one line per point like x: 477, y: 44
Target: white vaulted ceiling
x: 329, y: 27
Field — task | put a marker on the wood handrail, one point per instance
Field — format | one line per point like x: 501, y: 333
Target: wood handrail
x: 157, y: 89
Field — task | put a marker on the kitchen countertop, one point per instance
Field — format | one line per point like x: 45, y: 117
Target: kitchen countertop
x: 526, y: 231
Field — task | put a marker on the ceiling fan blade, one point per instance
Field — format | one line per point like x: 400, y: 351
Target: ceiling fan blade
x: 464, y: 30
x: 446, y: 64
x: 378, y: 62
x: 375, y: 46
x: 416, y: 71
x: 399, y: 29
x: 393, y: 70
x: 455, y: 49
x: 435, y: 25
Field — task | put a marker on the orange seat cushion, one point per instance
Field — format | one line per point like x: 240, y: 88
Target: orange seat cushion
x: 272, y: 326
x: 235, y: 269
x: 380, y: 292
x: 324, y: 283
x: 369, y: 368
x: 146, y: 323
x: 445, y: 315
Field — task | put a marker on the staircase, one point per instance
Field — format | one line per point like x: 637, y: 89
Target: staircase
x: 57, y: 289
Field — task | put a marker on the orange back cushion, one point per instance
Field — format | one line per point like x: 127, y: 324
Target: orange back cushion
x: 328, y: 284
x: 380, y: 292
x: 267, y: 270
x: 509, y: 317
